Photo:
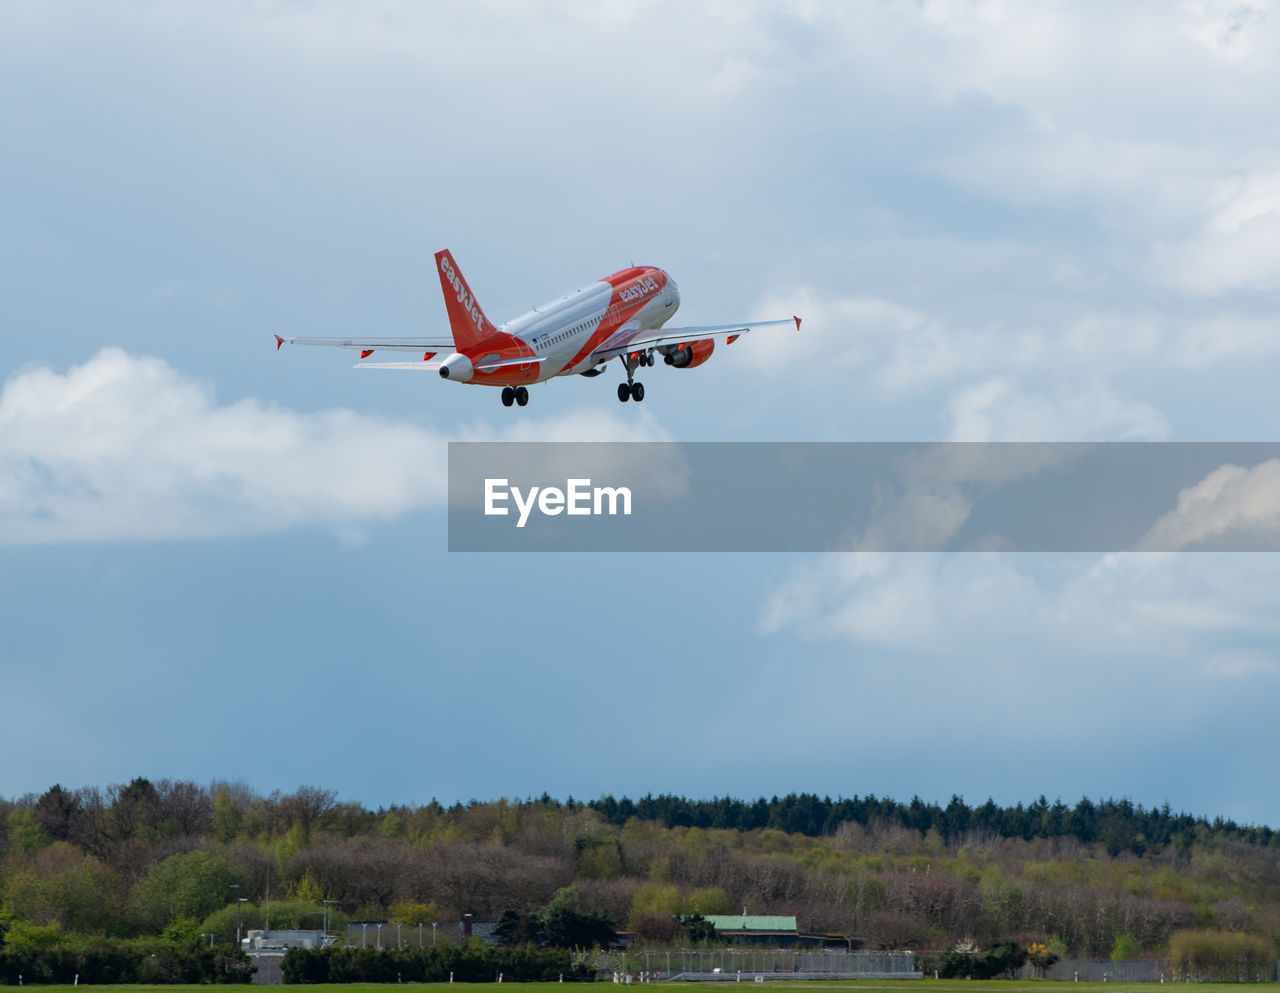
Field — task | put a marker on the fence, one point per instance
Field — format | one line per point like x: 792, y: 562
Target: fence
x: 383, y: 935
x: 1136, y: 971
x: 760, y: 965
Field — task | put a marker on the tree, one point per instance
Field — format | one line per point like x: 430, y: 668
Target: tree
x: 408, y: 912
x: 26, y: 834
x: 1000, y: 960
x: 308, y: 806
x: 1223, y: 956
x: 700, y: 930
x: 227, y: 817
x: 1041, y: 957
x: 566, y: 928
x: 707, y: 900
x: 190, y: 885
x: 57, y: 812
x: 654, y: 898
x: 135, y: 810
x: 64, y: 886
x: 656, y: 928
x: 517, y: 927
x: 306, y: 889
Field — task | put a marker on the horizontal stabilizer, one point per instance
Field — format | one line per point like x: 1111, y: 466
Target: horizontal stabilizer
x: 435, y: 364
x: 370, y: 344
x: 432, y: 366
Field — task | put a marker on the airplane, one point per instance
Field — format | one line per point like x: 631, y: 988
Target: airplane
x: 620, y: 316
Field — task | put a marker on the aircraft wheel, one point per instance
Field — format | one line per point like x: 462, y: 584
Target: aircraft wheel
x: 637, y: 392
x: 508, y: 396
x: 624, y: 392
x: 522, y: 396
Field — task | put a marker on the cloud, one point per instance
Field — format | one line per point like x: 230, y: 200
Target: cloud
x: 1183, y: 610
x: 1000, y: 409
x: 127, y: 448
x: 1238, y: 244
x: 994, y: 383
x: 1230, y: 29
x: 1232, y: 502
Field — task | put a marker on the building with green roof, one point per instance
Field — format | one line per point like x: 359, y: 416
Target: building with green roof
x: 758, y: 929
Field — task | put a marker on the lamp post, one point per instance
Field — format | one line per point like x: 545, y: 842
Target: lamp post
x: 326, y: 914
x: 433, y: 934
x: 236, y: 887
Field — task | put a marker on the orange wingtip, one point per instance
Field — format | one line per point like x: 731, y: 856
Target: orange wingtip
x: 366, y: 352
x: 428, y: 356
x: 797, y: 320
x: 279, y: 342
x: 732, y: 338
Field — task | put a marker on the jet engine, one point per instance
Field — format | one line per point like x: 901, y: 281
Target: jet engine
x: 692, y: 354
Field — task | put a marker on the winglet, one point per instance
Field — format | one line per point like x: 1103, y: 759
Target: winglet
x: 797, y: 320
x: 279, y: 342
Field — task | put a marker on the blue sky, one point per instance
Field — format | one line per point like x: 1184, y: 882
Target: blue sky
x: 1000, y: 222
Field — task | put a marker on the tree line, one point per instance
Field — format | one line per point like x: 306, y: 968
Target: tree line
x: 164, y: 864
x: 1121, y: 825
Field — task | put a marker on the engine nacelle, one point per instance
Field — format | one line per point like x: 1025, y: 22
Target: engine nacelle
x: 689, y: 355
x: 458, y: 368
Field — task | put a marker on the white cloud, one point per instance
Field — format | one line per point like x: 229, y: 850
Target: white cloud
x: 1140, y: 607
x: 1000, y: 409
x: 1224, y: 338
x: 572, y: 426
x: 1235, y: 502
x: 1238, y: 244
x: 128, y: 448
x: 1230, y: 29
x: 1000, y: 383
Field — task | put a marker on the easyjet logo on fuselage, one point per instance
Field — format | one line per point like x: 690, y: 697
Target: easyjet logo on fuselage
x: 464, y: 296
x: 638, y: 289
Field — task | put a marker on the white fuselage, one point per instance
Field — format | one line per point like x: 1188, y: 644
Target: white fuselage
x: 567, y: 329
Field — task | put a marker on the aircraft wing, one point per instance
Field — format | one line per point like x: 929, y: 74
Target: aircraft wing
x: 375, y: 344
x: 635, y: 339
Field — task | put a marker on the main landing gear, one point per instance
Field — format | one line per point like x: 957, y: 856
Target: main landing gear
x: 631, y: 390
x: 515, y: 394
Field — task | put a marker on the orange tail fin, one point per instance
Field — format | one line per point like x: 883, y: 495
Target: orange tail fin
x: 470, y: 326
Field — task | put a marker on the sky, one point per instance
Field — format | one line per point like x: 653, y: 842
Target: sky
x: 999, y: 221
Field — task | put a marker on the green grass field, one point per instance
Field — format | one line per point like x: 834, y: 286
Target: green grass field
x: 887, y: 986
